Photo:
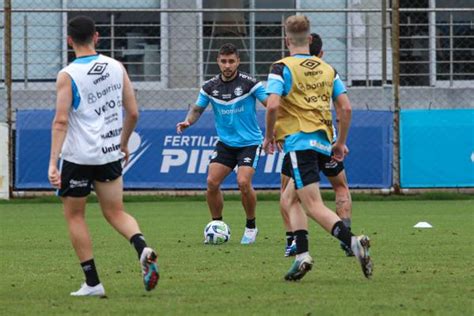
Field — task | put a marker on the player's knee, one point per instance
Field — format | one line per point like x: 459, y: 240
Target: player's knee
x: 112, y: 214
x: 212, y: 184
x: 285, y: 203
x: 72, y: 214
x: 341, y: 188
x: 244, y: 184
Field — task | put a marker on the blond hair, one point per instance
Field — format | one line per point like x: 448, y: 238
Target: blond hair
x: 297, y: 30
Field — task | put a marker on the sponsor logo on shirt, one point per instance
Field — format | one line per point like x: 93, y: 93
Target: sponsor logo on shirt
x: 310, y: 64
x: 231, y: 111
x: 113, y: 133
x: 94, y: 97
x: 101, y: 78
x: 109, y: 149
x: 247, y: 77
x: 317, y: 144
x: 97, y: 69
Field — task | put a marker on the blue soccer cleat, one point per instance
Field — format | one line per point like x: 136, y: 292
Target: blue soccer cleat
x: 150, y: 270
x: 250, y: 234
x: 299, y: 268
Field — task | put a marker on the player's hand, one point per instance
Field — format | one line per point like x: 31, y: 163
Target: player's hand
x: 54, y: 176
x: 339, y: 151
x: 279, y: 146
x: 126, y: 155
x: 269, y: 146
x: 181, y: 126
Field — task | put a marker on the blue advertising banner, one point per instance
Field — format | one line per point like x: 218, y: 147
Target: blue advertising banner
x: 161, y: 159
x: 437, y: 148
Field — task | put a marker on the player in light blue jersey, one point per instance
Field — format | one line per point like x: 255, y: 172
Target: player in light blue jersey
x: 331, y: 168
x: 232, y: 95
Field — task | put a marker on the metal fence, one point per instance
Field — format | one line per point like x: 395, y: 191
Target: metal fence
x: 391, y: 54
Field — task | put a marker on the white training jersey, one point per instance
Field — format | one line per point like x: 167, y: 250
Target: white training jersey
x: 95, y: 118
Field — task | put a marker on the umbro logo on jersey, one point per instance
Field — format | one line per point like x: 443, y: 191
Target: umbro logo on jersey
x: 310, y: 64
x: 215, y: 93
x: 97, y: 69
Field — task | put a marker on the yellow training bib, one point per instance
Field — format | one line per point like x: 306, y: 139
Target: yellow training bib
x: 306, y: 108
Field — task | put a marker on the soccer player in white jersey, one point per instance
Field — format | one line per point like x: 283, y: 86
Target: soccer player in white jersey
x: 90, y: 134
x: 233, y: 95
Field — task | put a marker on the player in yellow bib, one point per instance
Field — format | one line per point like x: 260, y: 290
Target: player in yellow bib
x: 298, y: 116
x: 331, y: 168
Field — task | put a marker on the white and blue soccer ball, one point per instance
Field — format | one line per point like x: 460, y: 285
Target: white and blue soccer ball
x: 216, y: 233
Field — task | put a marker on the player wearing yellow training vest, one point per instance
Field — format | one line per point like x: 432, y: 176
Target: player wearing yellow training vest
x: 298, y: 114
x: 331, y: 168
x: 307, y: 108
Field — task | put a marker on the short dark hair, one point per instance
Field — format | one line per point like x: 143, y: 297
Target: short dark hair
x: 316, y: 45
x: 229, y: 49
x: 81, y: 29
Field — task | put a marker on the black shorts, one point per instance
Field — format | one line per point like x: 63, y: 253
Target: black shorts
x: 326, y: 164
x: 76, y: 180
x: 236, y: 156
x: 302, y: 166
x: 329, y: 166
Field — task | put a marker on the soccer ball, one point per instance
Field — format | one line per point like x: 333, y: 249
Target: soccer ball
x: 216, y: 233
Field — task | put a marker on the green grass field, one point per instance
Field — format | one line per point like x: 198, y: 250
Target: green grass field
x: 416, y: 272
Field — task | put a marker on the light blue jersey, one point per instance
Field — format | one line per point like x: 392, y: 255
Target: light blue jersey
x: 234, y: 106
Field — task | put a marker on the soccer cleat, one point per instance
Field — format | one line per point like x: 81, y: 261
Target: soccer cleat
x: 250, y: 234
x: 150, y: 270
x: 299, y: 268
x: 347, y: 250
x: 290, y: 251
x: 87, y: 290
x: 360, y: 247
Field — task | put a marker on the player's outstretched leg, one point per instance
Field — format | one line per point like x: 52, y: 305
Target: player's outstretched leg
x: 110, y: 198
x: 360, y: 246
x: 150, y: 270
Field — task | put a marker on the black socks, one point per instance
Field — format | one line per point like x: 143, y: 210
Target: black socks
x: 347, y: 222
x: 92, y: 278
x: 341, y: 232
x: 289, y: 238
x: 217, y: 218
x: 250, y: 223
x: 138, y: 241
x: 301, y: 238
